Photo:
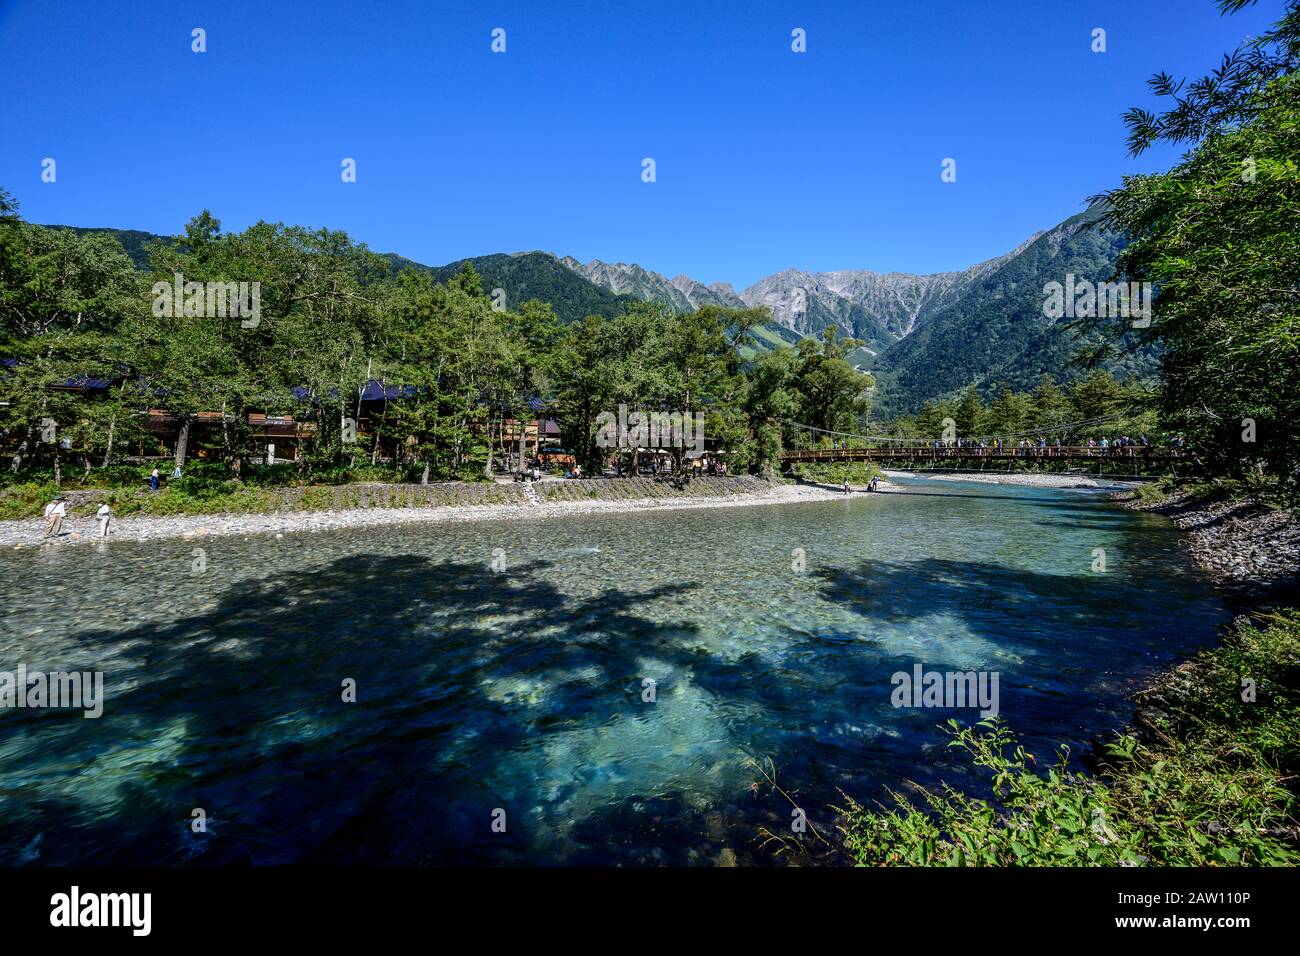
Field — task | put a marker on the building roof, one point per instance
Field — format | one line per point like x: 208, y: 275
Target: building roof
x: 377, y: 391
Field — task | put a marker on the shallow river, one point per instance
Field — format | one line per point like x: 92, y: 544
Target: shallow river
x: 518, y: 697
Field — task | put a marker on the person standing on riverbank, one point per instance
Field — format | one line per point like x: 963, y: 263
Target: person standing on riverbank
x: 153, y: 480
x: 54, y: 514
x: 105, y: 515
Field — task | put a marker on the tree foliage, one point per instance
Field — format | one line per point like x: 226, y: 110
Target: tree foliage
x: 1217, y: 236
x: 443, y: 366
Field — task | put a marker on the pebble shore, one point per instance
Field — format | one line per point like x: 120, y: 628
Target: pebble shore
x: 83, y: 530
x: 1009, y: 478
x: 1251, y: 551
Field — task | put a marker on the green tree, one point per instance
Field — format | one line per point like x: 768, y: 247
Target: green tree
x: 1009, y: 412
x: 62, y: 296
x: 970, y: 415
x: 833, y: 394
x: 1096, y: 396
x: 929, y: 421
x: 770, y: 395
x: 1217, y: 237
x: 1049, y: 407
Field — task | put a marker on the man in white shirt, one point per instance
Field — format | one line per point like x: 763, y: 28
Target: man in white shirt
x: 54, y: 514
x: 105, y: 515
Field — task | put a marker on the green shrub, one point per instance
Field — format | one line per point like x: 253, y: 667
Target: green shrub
x: 26, y: 500
x: 836, y: 473
x: 1209, y: 784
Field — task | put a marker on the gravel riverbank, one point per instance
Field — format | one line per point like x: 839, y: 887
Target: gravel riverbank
x: 1251, y: 551
x: 545, y: 500
x: 1012, y: 478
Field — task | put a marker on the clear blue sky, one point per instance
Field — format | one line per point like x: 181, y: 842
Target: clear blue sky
x: 766, y: 159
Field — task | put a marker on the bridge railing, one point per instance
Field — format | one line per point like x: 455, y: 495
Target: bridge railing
x: 1053, y: 451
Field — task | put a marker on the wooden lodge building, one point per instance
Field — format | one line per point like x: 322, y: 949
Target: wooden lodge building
x: 280, y: 439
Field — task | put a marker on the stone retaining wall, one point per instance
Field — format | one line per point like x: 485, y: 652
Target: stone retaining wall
x: 439, y: 494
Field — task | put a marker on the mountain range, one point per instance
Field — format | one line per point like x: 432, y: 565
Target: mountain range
x: 878, y: 308
x: 924, y: 336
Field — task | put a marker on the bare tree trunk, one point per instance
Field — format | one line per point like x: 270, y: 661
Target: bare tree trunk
x: 108, y: 452
x: 458, y: 448
x: 352, y: 462
x: 232, y: 458
x: 362, y: 391
x: 343, y: 428
x: 21, y: 453
x: 26, y: 445
x: 183, y: 441
x: 225, y: 433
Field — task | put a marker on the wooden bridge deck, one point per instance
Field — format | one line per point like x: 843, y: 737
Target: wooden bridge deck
x: 1131, y: 454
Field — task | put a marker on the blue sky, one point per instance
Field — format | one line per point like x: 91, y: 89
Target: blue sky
x: 766, y: 159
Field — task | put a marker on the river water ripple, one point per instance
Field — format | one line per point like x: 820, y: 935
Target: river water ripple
x: 521, y: 690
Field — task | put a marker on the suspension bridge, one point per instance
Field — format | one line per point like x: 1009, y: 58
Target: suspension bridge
x: 1031, y: 447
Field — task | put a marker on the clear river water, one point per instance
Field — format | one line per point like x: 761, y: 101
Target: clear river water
x: 518, y: 695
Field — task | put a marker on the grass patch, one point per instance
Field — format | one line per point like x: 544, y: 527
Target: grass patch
x: 206, y: 488
x: 26, y: 500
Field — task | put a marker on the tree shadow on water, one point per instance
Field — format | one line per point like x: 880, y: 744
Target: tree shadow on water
x: 478, y: 691
x: 237, y: 709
